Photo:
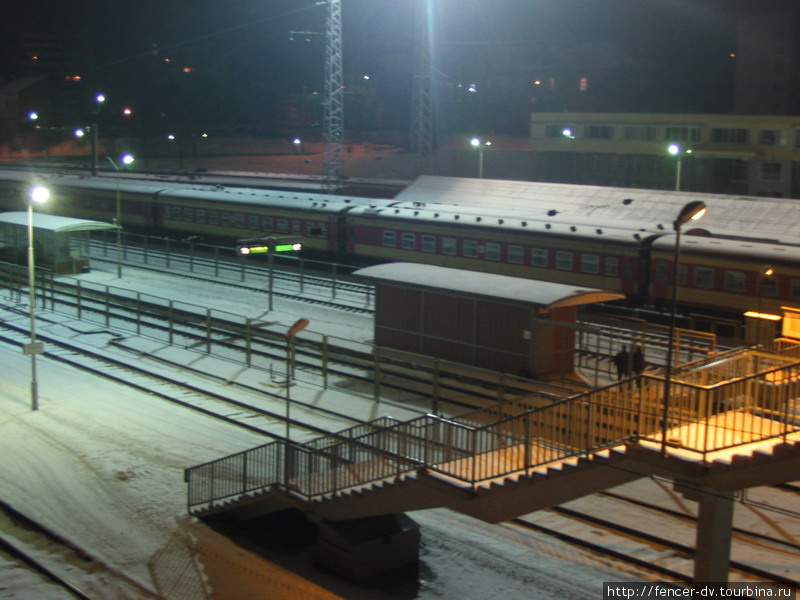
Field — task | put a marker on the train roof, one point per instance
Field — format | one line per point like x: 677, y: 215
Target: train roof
x: 740, y: 249
x: 491, y: 285
x: 774, y: 220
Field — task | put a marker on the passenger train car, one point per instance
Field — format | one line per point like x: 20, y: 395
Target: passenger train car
x: 611, y: 238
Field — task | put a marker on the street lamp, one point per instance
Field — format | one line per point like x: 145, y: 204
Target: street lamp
x: 38, y: 195
x: 765, y: 273
x: 476, y: 143
x: 676, y: 151
x: 570, y: 134
x: 127, y: 159
x: 693, y: 211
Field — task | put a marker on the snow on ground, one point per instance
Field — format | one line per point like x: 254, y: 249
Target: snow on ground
x: 102, y: 465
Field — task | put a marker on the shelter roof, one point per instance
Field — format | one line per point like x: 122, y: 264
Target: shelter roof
x: 53, y: 222
x: 489, y: 285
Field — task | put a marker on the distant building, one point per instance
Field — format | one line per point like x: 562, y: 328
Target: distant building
x: 728, y: 154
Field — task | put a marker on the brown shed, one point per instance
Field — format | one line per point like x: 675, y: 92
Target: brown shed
x: 491, y: 321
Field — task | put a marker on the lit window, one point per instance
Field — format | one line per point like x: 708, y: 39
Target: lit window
x: 584, y: 84
x: 734, y: 281
x: 492, y: 251
x: 470, y: 248
x: 539, y: 257
x: 564, y: 260
x: 590, y: 263
x: 703, y: 277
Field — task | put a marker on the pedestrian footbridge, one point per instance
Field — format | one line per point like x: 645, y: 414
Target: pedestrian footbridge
x: 731, y: 422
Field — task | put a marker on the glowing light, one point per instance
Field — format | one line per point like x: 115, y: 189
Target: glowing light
x: 759, y: 315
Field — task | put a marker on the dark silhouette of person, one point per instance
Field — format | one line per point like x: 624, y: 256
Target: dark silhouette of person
x: 623, y: 362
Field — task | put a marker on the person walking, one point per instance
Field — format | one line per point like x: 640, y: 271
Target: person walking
x: 622, y: 360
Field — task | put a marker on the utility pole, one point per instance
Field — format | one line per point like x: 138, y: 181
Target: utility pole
x: 421, y: 97
x: 333, y: 126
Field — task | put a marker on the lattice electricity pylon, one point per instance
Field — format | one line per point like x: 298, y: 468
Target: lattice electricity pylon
x: 421, y: 134
x: 333, y: 126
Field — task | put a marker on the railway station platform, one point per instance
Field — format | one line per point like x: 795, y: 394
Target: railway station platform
x: 728, y: 425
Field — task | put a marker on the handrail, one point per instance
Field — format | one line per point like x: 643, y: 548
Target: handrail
x: 701, y: 419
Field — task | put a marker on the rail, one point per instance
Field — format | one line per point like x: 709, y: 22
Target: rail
x: 699, y: 418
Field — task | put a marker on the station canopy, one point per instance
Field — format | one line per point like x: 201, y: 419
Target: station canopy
x: 543, y: 294
x: 53, y: 223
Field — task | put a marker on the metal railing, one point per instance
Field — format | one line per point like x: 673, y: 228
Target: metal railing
x: 700, y: 419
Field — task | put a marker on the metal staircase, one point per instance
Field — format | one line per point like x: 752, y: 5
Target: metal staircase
x: 725, y: 425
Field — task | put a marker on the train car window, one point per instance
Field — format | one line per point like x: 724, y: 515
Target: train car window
x: 539, y: 257
x: 590, y: 263
x: 470, y: 248
x: 409, y: 241
x: 516, y: 255
x: 188, y: 214
x: 200, y: 215
x: 492, y: 251
x: 295, y: 227
x: 612, y: 266
x: 252, y: 221
x: 213, y: 217
x: 683, y: 274
x: 283, y: 226
x: 176, y: 212
x: 703, y: 277
x: 734, y: 281
x: 794, y: 289
x: 768, y: 286
x: 448, y: 246
x: 389, y: 238
x: 238, y: 220
x: 564, y: 260
x: 661, y: 271
x: 266, y: 224
x: 428, y: 243
x: 226, y: 219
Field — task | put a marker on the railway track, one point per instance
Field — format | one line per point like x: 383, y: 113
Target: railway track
x: 653, y: 537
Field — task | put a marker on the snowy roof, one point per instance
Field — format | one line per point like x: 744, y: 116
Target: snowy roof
x: 53, y: 222
x: 764, y: 219
x: 744, y: 249
x: 490, y: 285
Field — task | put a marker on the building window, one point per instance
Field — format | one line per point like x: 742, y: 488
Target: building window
x: 252, y: 222
x: 739, y: 170
x: 564, y: 260
x: 772, y: 137
x: 682, y: 134
x: 644, y: 133
x: 449, y: 246
x: 612, y: 266
x: 598, y: 132
x: 556, y: 131
x: 734, y: 281
x: 492, y: 251
x: 539, y: 257
x: 703, y: 277
x: 389, y: 238
x: 409, y: 241
x: 428, y: 243
x: 721, y: 135
x: 770, y: 171
x: 590, y: 263
x: 516, y: 255
x: 470, y: 248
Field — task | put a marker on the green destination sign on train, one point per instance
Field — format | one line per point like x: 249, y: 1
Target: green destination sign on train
x: 265, y: 248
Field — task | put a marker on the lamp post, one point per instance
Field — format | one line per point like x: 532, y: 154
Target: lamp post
x: 676, y: 151
x: 766, y: 272
x: 38, y: 195
x: 476, y: 143
x: 570, y: 134
x: 693, y: 211
x: 127, y: 159
x: 289, y: 336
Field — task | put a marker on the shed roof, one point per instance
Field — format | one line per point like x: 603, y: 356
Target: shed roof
x: 53, y: 223
x: 544, y: 294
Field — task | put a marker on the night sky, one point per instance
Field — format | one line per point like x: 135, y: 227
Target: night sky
x: 246, y: 71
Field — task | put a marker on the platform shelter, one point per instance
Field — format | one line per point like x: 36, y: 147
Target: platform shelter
x: 60, y: 243
x: 496, y: 322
